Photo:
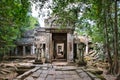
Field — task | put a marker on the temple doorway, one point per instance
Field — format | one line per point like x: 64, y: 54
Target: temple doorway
x: 59, y: 45
x: 60, y: 50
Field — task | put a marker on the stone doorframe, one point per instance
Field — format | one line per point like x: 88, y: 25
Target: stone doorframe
x: 49, y: 47
x: 49, y: 43
x: 59, y: 39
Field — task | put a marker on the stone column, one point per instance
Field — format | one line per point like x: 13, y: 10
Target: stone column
x: 50, y: 46
x: 47, y: 47
x: 24, y: 51
x: 86, y: 49
x: 38, y: 51
x: 78, y: 51
x: 42, y: 52
x: 69, y: 47
x: 32, y: 49
x: 16, y: 51
x: 86, y: 43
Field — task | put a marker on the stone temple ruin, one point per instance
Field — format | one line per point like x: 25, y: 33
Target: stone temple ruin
x: 51, y: 42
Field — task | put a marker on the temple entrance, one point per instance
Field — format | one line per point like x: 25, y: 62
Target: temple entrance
x: 59, y: 45
x: 60, y: 50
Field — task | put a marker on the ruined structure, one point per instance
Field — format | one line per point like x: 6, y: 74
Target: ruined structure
x: 25, y: 45
x: 51, y: 42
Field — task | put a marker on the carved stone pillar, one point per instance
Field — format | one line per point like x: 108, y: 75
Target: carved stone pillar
x: 69, y: 47
x: 39, y: 55
x: 24, y: 51
x: 51, y: 46
x: 86, y: 49
x: 38, y: 50
x: 47, y: 47
x: 32, y: 49
x: 78, y: 51
x: 16, y: 51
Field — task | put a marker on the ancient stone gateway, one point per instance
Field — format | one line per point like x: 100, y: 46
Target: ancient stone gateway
x: 58, y: 43
x: 61, y: 44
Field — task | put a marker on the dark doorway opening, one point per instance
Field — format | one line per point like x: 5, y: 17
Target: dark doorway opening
x: 75, y: 51
x: 59, y: 45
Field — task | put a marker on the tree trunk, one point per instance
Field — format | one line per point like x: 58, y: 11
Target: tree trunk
x: 116, y: 64
x: 108, y: 51
x: 107, y: 43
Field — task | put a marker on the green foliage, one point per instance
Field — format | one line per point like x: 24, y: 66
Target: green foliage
x: 92, y: 19
x: 32, y: 22
x: 13, y: 17
x: 75, y: 13
x: 66, y: 15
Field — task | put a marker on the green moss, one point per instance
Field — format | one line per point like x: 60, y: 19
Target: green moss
x: 100, y: 77
x: 97, y: 74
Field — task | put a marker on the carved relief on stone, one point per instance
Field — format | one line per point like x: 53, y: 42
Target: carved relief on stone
x: 40, y: 39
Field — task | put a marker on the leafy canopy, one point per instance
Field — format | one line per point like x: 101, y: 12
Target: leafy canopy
x: 13, y: 17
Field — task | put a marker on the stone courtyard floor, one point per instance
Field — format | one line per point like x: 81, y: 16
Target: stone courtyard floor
x: 51, y: 74
x: 55, y: 71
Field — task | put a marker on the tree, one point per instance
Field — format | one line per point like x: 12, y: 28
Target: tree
x: 116, y: 63
x: 13, y: 16
x: 103, y: 13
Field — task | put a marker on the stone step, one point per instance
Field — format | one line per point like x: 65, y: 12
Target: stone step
x: 29, y: 78
x: 27, y: 73
x: 59, y: 60
x: 36, y: 74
